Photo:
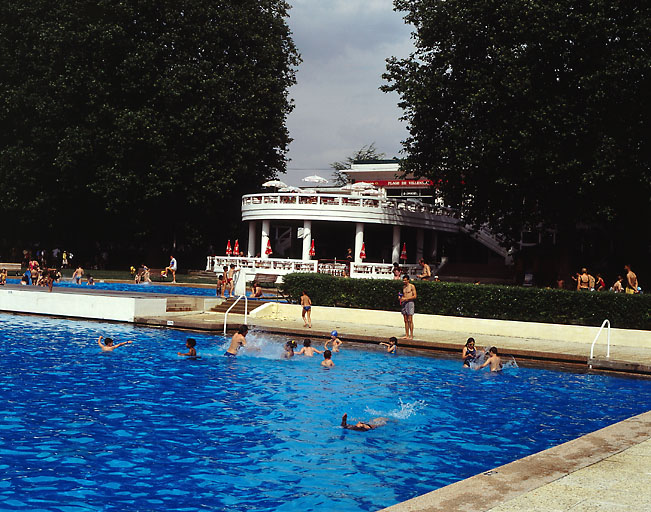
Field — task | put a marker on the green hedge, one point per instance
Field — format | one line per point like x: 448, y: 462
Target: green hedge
x: 478, y: 301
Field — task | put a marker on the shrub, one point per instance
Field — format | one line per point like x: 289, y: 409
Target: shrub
x: 478, y: 301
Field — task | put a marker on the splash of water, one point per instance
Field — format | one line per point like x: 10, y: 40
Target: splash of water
x: 401, y: 413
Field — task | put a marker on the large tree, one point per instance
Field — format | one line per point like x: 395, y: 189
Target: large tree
x: 368, y: 152
x: 144, y: 118
x: 533, y: 115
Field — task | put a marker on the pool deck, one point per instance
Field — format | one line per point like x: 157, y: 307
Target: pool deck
x: 606, y: 470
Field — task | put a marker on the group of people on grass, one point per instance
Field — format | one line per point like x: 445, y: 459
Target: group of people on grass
x: 585, y: 282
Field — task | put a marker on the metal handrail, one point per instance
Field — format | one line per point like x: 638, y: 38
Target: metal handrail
x: 246, y: 310
x: 604, y: 323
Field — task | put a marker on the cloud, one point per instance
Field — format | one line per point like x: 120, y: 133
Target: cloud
x: 339, y: 107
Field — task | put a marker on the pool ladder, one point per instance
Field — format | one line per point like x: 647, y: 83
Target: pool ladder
x: 605, y: 323
x: 246, y: 310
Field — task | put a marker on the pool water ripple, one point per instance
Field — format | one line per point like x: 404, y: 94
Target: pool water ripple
x: 142, y: 429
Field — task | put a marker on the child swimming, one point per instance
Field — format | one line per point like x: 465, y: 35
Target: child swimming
x: 469, y: 352
x: 307, y: 349
x: 493, y: 360
x: 108, y: 346
x: 327, y: 359
x: 289, y: 349
x: 192, y: 352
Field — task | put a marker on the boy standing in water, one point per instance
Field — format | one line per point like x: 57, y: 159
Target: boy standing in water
x: 238, y: 341
x: 307, y: 309
x: 493, y: 360
x: 336, y: 342
x: 327, y: 359
x: 192, y: 352
x: 307, y: 349
x: 108, y: 346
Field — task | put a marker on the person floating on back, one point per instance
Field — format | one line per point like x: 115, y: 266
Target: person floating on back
x: 108, y: 346
x: 192, y: 352
x: 493, y: 360
x: 327, y: 359
x: 307, y: 309
x: 362, y: 426
x: 392, y: 346
x: 334, y: 339
x: 307, y: 349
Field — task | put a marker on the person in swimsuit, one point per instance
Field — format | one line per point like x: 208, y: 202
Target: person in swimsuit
x: 397, y: 272
x: 108, y: 346
x: 493, y: 360
x: 362, y: 426
x: 583, y: 281
x: 230, y: 280
x: 334, y: 339
x: 392, y: 345
x: 171, y: 268
x: 407, y: 299
x: 308, y: 350
x: 327, y: 359
x: 426, y: 274
x: 256, y: 290
x: 3, y: 276
x: 631, y: 281
x: 238, y: 341
x: 307, y: 309
x: 469, y: 353
x: 289, y: 349
x: 192, y: 352
x: 77, y: 275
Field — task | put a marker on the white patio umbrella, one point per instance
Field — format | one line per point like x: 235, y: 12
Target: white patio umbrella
x: 315, y: 179
x: 290, y: 188
x: 362, y: 185
x: 275, y: 184
x: 371, y: 192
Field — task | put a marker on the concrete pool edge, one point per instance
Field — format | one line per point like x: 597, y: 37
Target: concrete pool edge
x: 500, y: 485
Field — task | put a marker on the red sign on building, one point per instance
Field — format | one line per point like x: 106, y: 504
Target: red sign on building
x: 401, y: 183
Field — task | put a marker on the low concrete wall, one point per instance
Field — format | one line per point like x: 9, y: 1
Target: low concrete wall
x: 95, y: 306
x: 471, y: 326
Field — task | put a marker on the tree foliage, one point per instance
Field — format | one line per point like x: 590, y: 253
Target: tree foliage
x: 146, y: 119
x: 530, y: 113
x: 368, y: 152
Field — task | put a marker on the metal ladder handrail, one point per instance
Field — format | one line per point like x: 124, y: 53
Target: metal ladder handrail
x: 246, y: 310
x: 603, y: 324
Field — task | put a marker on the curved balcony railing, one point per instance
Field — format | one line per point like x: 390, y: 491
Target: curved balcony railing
x: 351, y: 201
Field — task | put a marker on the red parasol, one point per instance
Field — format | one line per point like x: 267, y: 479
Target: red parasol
x: 403, y: 253
x: 268, y: 250
x: 362, y: 253
x: 228, y: 249
x: 312, y: 251
x: 236, y: 249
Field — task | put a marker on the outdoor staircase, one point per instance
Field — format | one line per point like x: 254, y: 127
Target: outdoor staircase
x: 239, y: 307
x: 178, y: 304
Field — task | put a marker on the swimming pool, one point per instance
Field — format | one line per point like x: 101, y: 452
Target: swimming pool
x: 142, y: 429
x: 136, y: 288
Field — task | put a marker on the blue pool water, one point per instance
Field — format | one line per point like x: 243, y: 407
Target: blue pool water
x: 135, y: 288
x: 143, y: 429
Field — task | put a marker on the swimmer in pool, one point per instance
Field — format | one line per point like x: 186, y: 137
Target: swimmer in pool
x: 108, y: 346
x: 307, y: 349
x: 469, y: 352
x: 334, y: 339
x: 392, y: 346
x: 327, y: 359
x: 289, y: 349
x: 362, y: 426
x: 192, y: 352
x: 238, y: 341
x: 493, y: 360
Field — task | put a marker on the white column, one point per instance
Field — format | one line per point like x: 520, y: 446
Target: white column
x: 420, y: 242
x: 395, y: 252
x: 435, y: 246
x: 251, y: 247
x: 359, y: 240
x: 307, y: 239
x: 266, y: 228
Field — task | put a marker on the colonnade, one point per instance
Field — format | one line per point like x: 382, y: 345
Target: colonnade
x: 359, y: 241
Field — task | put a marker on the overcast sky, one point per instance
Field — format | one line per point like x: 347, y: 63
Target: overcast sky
x: 339, y: 108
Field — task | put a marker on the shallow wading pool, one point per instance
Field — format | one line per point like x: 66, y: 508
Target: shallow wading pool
x: 143, y: 429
